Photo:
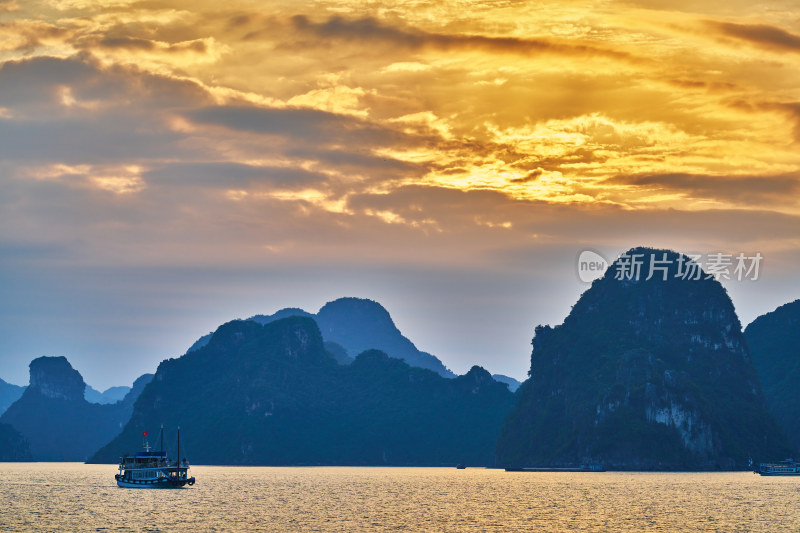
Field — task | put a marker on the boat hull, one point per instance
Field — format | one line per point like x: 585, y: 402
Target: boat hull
x: 160, y: 483
x: 154, y: 484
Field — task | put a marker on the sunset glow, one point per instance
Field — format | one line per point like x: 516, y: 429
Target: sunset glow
x: 338, y: 139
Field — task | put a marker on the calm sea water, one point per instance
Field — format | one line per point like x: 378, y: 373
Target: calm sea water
x: 78, y: 497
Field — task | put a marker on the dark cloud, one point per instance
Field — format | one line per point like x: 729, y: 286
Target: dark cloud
x: 128, y: 43
x: 372, y: 30
x: 533, y: 175
x: 310, y: 125
x: 712, y: 86
x: 243, y: 19
x: 232, y: 175
x: 121, y: 116
x: 573, y: 224
x: 36, y: 87
x: 34, y: 81
x: 141, y: 44
x: 75, y: 111
x: 77, y: 141
x: 759, y: 34
x: 789, y: 109
x: 737, y: 189
x: 32, y: 33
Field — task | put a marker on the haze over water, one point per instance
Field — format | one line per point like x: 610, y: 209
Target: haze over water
x: 78, y: 497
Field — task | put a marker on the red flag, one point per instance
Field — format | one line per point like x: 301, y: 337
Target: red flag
x: 144, y: 434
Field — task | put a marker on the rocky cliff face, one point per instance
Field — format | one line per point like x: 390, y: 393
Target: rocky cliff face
x: 774, y: 341
x: 54, y: 377
x: 643, y: 374
x: 273, y: 395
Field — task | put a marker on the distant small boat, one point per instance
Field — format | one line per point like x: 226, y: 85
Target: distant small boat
x: 149, y: 469
x: 461, y: 466
x: 787, y: 467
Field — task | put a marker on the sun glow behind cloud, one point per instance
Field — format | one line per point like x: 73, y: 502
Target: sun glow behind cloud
x: 483, y: 96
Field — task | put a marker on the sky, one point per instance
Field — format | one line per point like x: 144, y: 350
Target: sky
x: 168, y: 166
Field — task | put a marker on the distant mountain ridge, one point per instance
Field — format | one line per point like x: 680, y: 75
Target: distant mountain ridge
x: 55, y: 419
x: 512, y: 383
x: 357, y: 324
x: 643, y: 374
x: 9, y: 393
x: 273, y: 395
x: 774, y: 342
x: 110, y: 395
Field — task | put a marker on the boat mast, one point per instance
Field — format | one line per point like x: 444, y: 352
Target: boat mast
x: 162, y: 440
x: 179, y: 446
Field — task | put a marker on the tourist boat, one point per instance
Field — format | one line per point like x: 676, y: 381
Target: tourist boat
x: 787, y: 467
x: 150, y: 469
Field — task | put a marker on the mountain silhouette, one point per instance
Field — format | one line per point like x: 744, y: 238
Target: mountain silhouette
x: 774, y: 342
x: 273, y: 395
x: 13, y: 446
x: 643, y: 374
x: 9, y: 393
x: 53, y: 416
x: 356, y: 324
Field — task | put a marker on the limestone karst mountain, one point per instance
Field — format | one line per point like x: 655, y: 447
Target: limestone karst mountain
x: 774, y: 342
x: 53, y: 416
x: 357, y: 324
x: 273, y: 395
x: 643, y: 374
